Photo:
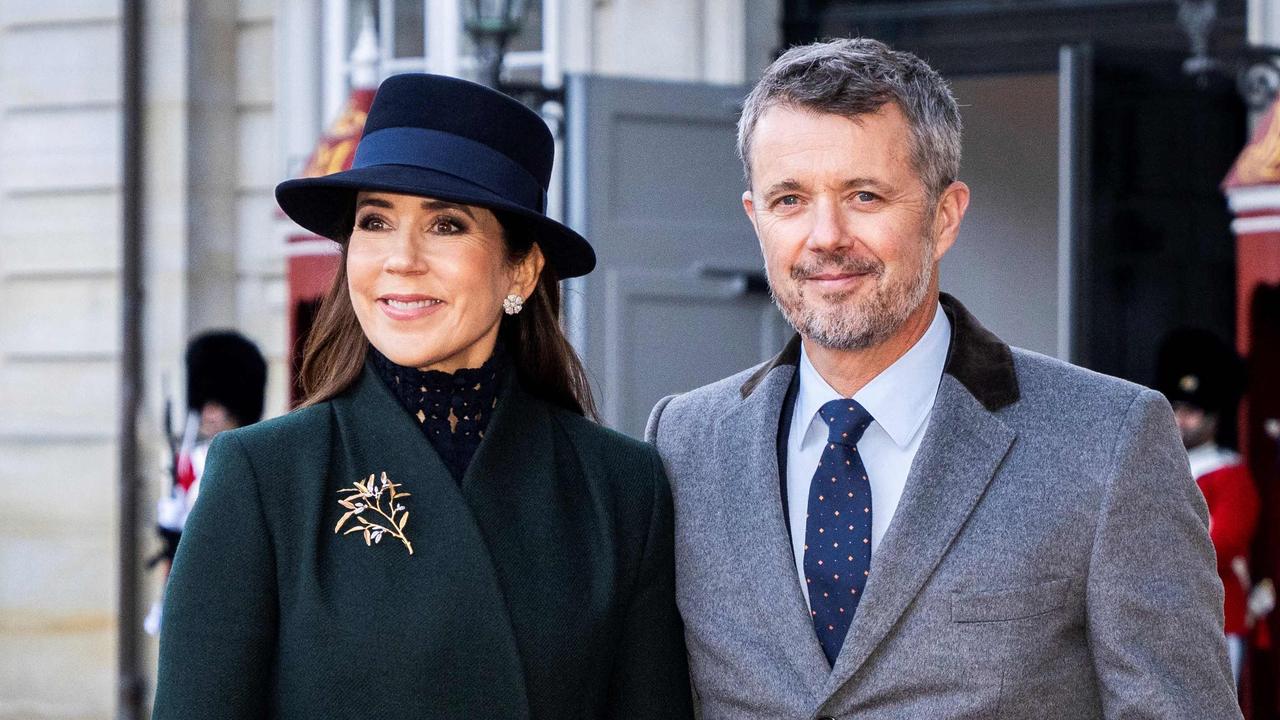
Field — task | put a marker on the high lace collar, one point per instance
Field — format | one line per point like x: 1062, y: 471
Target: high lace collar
x: 453, y: 409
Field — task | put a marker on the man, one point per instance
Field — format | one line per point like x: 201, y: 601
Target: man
x: 1202, y: 377
x: 900, y: 516
x: 226, y: 389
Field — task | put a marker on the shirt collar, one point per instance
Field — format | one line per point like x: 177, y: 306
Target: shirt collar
x: 1208, y: 457
x: 900, y: 397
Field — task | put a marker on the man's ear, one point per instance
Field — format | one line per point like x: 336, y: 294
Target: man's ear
x: 749, y: 207
x: 525, y: 278
x: 947, y: 217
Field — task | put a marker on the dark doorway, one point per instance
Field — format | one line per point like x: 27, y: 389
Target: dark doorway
x: 1152, y: 242
x: 1261, y: 683
x: 1158, y: 251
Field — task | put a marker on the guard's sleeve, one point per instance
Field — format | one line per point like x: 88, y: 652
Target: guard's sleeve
x: 1154, y: 599
x: 651, y: 668
x: 1233, y: 513
x: 218, y: 636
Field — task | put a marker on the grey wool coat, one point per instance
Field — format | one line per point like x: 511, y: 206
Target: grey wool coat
x: 1049, y: 557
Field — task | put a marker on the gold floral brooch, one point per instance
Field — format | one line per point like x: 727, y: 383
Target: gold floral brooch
x: 366, y: 497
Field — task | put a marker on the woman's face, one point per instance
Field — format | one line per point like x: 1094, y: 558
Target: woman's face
x: 427, y: 279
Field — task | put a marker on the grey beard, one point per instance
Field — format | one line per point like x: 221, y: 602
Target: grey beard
x: 860, y: 327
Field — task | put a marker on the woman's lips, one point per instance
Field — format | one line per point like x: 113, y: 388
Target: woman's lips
x: 408, y: 307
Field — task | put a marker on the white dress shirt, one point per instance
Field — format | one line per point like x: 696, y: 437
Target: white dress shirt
x: 900, y: 399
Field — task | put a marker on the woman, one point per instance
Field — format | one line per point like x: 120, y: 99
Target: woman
x: 439, y: 532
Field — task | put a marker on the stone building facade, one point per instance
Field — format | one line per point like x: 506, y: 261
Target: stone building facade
x: 235, y: 95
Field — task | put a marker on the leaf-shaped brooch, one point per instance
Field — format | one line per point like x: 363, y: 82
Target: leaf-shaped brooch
x: 364, y: 500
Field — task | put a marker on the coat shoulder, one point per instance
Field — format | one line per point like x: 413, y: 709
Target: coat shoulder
x: 291, y: 425
x: 281, y: 442
x: 263, y: 461
x: 1047, y: 381
x: 619, y: 471
x: 600, y: 447
x: 705, y: 403
x: 1078, y: 406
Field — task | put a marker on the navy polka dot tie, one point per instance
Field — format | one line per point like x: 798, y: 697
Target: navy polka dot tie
x: 837, y: 537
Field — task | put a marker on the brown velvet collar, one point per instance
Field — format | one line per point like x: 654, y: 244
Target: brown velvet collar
x: 977, y: 358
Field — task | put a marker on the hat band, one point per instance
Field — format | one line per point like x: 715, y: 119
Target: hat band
x: 453, y: 154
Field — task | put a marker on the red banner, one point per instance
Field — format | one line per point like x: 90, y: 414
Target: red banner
x: 337, y: 147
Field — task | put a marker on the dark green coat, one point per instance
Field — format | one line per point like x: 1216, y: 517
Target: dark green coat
x: 542, y: 588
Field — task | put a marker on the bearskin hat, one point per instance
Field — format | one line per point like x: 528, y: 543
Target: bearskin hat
x: 1196, y: 367
x: 227, y: 368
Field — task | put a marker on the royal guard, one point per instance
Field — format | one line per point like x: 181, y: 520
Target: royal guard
x: 226, y: 384
x: 1204, y: 379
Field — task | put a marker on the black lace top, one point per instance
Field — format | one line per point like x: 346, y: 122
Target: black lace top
x: 453, y: 409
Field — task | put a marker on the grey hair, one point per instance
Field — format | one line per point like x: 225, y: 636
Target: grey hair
x: 857, y: 76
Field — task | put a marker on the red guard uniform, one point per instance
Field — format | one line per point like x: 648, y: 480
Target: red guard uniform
x: 1233, y: 515
x: 1203, y: 378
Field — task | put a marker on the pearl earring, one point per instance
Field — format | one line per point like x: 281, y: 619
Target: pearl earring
x: 513, y: 304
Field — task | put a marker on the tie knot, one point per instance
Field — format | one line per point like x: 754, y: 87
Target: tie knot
x: 846, y: 421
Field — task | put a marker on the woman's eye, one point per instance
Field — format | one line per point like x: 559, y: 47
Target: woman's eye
x: 371, y: 223
x: 447, y: 226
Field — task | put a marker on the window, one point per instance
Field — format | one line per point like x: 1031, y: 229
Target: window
x: 427, y: 36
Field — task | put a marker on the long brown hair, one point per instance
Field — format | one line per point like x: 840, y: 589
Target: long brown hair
x: 546, y: 364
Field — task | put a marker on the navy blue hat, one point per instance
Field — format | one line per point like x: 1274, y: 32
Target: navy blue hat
x: 450, y: 139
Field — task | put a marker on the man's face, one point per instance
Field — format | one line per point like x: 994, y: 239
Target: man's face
x: 1194, y: 425
x: 215, y: 418
x: 849, y: 236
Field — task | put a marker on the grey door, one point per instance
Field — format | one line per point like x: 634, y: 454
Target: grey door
x: 678, y: 298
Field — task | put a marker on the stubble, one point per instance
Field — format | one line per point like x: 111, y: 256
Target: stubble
x: 851, y: 320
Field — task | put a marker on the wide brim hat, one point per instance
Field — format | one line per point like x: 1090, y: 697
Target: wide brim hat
x: 449, y: 139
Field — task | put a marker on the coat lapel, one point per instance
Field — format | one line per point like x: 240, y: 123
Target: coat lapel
x: 512, y: 484
x: 962, y: 449
x: 753, y: 503
x: 520, y: 457
x: 553, y: 546
x: 378, y: 435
